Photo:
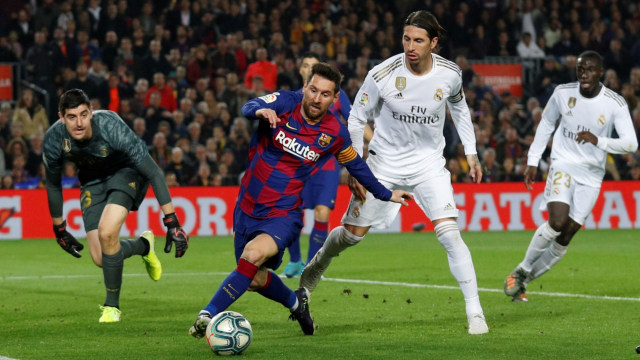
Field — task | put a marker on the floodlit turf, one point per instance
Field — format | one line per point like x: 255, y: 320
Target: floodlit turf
x: 49, y: 303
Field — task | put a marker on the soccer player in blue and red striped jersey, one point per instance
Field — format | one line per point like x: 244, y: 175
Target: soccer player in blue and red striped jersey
x: 320, y: 191
x: 296, y: 137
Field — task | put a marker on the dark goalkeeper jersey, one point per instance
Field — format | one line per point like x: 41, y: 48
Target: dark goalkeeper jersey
x: 285, y: 157
x: 113, y: 146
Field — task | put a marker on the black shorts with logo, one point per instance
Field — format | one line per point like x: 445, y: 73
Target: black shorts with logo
x: 127, y: 187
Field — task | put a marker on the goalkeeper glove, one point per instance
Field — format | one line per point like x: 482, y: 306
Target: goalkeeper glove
x: 175, y: 234
x: 66, y: 241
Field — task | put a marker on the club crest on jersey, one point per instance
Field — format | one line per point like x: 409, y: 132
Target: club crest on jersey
x: 439, y: 95
x: 572, y: 102
x: 269, y: 98
x: 324, y: 140
x: 66, y: 145
x: 356, y: 212
x: 364, y: 99
x: 401, y: 83
x: 103, y: 151
x: 602, y: 120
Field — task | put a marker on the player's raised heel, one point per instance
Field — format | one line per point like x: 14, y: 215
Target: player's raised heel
x: 301, y: 313
x: 151, y: 261
x: 199, y: 326
x: 514, y: 284
x: 109, y: 314
x: 477, y: 324
x: 312, y: 274
x: 293, y: 269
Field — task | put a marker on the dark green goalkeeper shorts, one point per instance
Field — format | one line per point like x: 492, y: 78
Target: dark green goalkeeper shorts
x: 127, y: 187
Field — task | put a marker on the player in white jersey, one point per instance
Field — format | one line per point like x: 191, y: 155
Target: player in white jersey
x: 407, y: 96
x: 588, y: 113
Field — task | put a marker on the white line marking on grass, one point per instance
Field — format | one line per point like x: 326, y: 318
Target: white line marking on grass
x: 351, y: 281
x: 6, y: 358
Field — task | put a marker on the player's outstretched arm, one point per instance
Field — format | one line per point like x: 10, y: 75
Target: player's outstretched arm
x: 67, y: 241
x: 475, y: 168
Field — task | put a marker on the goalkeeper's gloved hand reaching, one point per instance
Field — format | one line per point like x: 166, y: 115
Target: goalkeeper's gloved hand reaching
x: 175, y: 234
x: 66, y: 241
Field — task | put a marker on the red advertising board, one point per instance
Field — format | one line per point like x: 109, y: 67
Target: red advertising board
x: 502, y: 77
x: 208, y: 211
x: 6, y: 82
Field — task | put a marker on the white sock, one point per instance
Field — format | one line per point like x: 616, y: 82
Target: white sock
x: 541, y: 240
x: 460, y: 264
x: 337, y: 240
x: 547, y: 260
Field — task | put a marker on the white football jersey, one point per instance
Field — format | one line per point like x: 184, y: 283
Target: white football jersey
x: 409, y: 114
x: 598, y: 115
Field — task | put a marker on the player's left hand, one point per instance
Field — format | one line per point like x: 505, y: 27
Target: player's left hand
x: 358, y: 190
x: 585, y: 137
x: 475, y: 168
x: 175, y: 234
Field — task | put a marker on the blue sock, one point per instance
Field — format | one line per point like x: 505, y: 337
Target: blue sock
x: 294, y: 250
x: 317, y: 238
x: 276, y: 290
x: 232, y: 287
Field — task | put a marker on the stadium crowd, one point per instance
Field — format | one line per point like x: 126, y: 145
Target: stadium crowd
x: 178, y: 72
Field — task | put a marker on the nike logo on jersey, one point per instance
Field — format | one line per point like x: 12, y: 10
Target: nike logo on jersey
x: 288, y: 126
x: 291, y: 146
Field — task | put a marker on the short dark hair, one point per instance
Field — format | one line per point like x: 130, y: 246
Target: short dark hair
x: 72, y: 99
x: 328, y: 72
x: 425, y: 20
x: 592, y: 55
x: 310, y: 54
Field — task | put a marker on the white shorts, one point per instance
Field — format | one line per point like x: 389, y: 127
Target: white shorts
x: 561, y: 187
x: 434, y: 196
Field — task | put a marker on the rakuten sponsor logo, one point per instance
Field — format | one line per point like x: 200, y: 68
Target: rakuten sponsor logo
x: 296, y: 149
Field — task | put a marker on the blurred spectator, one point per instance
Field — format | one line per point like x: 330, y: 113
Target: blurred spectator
x: 200, y: 66
x: 69, y: 178
x: 83, y: 82
x: 153, y: 62
x: 154, y: 114
x: 85, y: 50
x: 618, y: 59
x: 566, y: 45
x: 457, y: 175
x: 224, y: 58
x: 171, y: 179
x: 7, y: 182
x: 167, y: 97
x: 34, y: 156
x: 508, y: 173
x: 265, y: 69
x: 527, y: 48
x: 547, y: 80
x: 19, y: 171
x: 490, y: 169
x: 140, y: 128
x: 203, y: 177
x: 42, y: 62
x: 160, y: 152
x: 509, y: 147
x: 180, y: 167
x: 30, y: 114
x: 23, y: 27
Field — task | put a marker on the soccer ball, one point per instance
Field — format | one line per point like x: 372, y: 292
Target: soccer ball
x: 229, y: 333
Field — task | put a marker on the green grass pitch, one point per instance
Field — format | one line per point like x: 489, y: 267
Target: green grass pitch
x: 390, y: 297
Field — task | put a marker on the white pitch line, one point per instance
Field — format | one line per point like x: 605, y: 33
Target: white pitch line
x: 350, y: 281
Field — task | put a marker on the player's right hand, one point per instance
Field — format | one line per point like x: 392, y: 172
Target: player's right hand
x: 269, y: 115
x: 530, y: 176
x: 66, y: 241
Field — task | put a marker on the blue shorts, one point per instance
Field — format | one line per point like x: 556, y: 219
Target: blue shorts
x: 283, y: 229
x: 321, y: 189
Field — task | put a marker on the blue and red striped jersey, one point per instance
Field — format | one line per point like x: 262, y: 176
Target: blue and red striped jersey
x: 286, y: 156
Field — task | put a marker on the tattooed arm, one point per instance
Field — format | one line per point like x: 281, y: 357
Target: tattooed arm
x: 475, y: 169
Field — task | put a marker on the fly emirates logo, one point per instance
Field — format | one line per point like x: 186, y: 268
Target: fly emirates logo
x: 294, y: 148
